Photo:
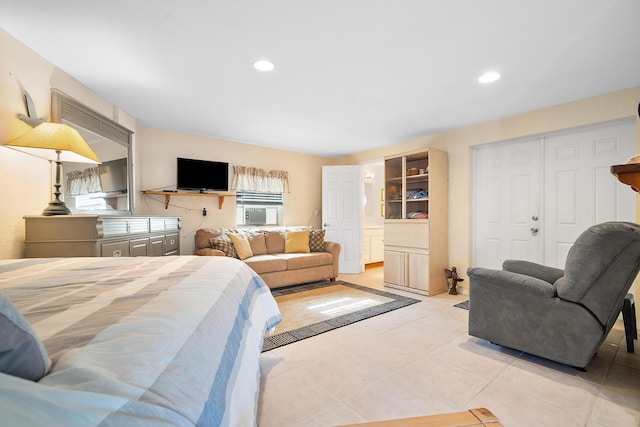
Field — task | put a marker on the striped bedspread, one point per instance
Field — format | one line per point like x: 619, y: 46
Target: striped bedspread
x: 166, y: 341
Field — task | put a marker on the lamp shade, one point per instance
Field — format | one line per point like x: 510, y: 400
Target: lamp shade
x: 46, y: 139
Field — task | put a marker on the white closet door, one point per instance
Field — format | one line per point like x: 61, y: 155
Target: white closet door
x: 578, y: 190
x: 507, y: 185
x: 579, y: 187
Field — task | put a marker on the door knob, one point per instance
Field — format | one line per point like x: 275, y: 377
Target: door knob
x: 325, y: 224
x: 535, y: 217
x: 534, y: 230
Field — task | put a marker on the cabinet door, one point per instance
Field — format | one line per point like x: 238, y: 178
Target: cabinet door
x: 139, y: 247
x: 366, y: 250
x: 377, y: 249
x: 418, y: 271
x: 156, y: 246
x: 394, y: 268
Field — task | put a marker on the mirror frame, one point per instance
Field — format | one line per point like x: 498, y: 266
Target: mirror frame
x: 68, y: 109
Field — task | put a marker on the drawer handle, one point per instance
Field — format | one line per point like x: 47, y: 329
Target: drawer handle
x: 172, y: 241
x: 117, y: 252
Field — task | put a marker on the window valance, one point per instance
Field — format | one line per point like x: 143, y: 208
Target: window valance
x: 247, y: 178
x: 84, y: 182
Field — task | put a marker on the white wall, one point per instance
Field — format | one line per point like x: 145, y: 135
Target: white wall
x: 157, y: 168
x: 27, y: 185
x: 459, y: 144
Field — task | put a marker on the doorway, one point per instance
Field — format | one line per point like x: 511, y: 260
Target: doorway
x: 373, y: 216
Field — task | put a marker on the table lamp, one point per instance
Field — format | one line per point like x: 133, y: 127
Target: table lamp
x: 55, y: 142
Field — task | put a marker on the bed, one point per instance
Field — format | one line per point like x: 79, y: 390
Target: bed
x: 146, y: 341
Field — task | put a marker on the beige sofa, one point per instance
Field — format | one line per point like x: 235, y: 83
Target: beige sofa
x: 270, y: 258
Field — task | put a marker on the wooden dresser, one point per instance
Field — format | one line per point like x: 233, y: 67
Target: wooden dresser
x: 101, y: 236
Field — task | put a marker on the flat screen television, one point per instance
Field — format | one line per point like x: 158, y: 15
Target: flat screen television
x: 202, y: 175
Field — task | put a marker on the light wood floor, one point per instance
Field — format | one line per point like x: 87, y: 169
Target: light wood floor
x: 419, y: 360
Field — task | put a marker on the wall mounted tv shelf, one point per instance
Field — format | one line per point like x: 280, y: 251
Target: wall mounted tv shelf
x: 167, y: 196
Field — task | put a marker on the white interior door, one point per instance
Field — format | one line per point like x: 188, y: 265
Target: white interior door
x: 507, y: 203
x: 342, y: 208
x: 580, y: 189
x: 558, y: 185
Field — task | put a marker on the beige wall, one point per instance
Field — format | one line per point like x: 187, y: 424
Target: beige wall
x: 459, y: 144
x: 157, y: 169
x: 25, y: 180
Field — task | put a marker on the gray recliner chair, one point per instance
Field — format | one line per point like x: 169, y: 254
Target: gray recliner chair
x: 561, y: 315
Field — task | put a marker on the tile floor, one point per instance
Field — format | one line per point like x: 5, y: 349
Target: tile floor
x: 419, y: 360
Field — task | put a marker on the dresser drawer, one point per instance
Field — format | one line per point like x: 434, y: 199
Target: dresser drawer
x: 172, y: 243
x: 115, y: 249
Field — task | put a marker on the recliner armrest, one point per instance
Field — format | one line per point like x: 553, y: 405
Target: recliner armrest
x: 509, y: 280
x: 548, y: 274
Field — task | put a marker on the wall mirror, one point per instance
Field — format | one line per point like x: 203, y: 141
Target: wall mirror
x: 104, y: 189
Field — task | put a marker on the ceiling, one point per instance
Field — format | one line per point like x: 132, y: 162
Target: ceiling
x: 350, y: 75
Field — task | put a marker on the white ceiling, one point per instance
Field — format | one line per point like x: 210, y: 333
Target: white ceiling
x: 350, y: 74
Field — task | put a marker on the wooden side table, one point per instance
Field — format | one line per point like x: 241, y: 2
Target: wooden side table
x: 472, y: 418
x: 628, y: 174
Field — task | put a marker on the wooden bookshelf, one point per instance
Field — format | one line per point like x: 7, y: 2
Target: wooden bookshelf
x: 168, y: 194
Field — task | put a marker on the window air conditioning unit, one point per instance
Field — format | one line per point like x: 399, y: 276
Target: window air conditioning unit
x: 255, y: 216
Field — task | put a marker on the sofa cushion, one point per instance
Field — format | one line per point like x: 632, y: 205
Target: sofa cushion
x: 223, y: 242
x: 274, y: 241
x: 305, y: 260
x: 316, y: 240
x: 241, y: 243
x: 266, y: 263
x: 257, y: 242
x: 296, y: 242
x: 203, y: 235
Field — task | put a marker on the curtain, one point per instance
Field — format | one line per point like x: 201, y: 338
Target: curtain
x: 84, y: 182
x: 247, y: 178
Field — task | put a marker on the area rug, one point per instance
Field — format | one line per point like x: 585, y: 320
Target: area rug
x: 311, y: 309
x: 463, y: 305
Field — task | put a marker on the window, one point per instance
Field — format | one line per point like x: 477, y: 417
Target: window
x: 253, y: 209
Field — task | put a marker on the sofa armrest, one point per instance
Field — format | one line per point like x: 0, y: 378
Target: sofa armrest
x: 334, y: 249
x: 208, y: 252
x: 510, y: 282
x: 539, y: 271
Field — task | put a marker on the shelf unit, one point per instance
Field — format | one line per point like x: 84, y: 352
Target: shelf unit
x: 407, y: 186
x: 416, y: 221
x: 167, y: 196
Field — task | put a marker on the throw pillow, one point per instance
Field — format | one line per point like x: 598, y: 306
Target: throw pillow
x: 274, y: 241
x: 316, y: 240
x: 241, y: 243
x: 296, y: 242
x: 21, y: 352
x: 223, y: 243
x: 257, y: 242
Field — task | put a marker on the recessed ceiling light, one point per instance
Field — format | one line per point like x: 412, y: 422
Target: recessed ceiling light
x: 264, y: 65
x: 488, y: 77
